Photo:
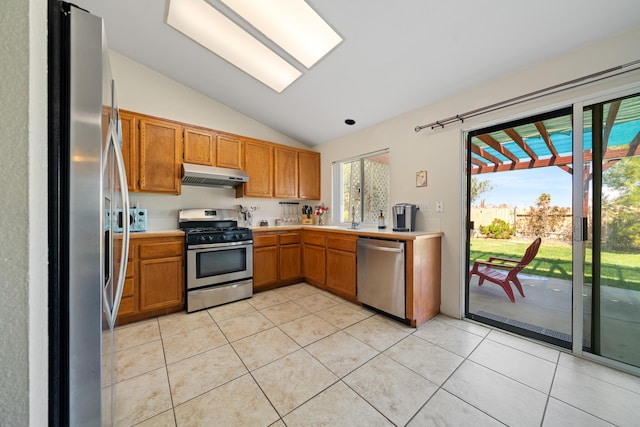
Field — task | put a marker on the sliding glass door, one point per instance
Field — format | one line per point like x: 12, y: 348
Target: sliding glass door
x: 572, y: 178
x: 520, y: 190
x: 611, y: 180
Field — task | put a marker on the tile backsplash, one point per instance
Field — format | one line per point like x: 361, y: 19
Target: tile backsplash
x: 163, y: 209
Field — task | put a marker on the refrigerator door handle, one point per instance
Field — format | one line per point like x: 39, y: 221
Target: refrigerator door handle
x: 113, y: 145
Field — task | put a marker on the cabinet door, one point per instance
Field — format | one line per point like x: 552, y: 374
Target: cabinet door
x: 309, y: 183
x: 130, y: 148
x: 341, y: 273
x: 258, y: 163
x: 285, y: 173
x: 228, y: 151
x: 160, y: 156
x: 313, y: 267
x: 290, y: 266
x: 199, y: 146
x: 161, y: 283
x: 265, y: 267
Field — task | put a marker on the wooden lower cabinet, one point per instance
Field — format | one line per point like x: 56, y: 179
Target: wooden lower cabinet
x: 154, y: 283
x: 158, y: 283
x: 341, y: 266
x: 313, y: 264
x: 265, y: 267
x: 290, y: 262
x: 276, y: 259
x: 423, y: 265
x: 329, y: 261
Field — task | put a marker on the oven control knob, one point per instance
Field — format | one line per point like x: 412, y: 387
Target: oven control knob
x: 211, y: 237
x: 202, y: 238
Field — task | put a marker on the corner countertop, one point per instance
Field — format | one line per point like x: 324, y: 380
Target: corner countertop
x: 386, y: 233
x: 156, y: 233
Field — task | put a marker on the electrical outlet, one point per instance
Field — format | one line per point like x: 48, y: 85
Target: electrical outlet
x: 439, y: 207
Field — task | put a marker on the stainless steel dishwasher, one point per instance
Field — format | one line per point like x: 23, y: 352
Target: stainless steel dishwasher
x: 381, y: 275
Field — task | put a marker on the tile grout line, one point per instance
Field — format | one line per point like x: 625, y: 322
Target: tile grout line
x: 546, y: 403
x: 166, y: 371
x: 441, y: 386
x: 340, y: 379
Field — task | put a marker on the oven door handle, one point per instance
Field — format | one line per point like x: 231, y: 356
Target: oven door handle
x: 220, y: 246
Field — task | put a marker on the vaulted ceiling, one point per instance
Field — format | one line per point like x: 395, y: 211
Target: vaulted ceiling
x: 395, y: 56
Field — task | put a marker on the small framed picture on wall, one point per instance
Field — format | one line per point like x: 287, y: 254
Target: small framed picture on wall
x: 421, y: 179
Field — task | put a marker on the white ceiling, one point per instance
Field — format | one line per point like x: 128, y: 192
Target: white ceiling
x: 396, y: 55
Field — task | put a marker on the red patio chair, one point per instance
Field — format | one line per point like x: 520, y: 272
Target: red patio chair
x: 506, y: 270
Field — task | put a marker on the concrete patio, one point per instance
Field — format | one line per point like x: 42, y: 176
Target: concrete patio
x: 546, y: 309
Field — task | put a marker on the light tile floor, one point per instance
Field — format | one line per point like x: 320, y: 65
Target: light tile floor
x: 298, y: 356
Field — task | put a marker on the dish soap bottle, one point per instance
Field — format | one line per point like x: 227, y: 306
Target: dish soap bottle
x: 381, y: 221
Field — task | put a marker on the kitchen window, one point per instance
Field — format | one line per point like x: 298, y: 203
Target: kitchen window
x: 361, y: 188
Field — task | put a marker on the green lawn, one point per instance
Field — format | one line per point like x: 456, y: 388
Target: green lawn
x: 620, y: 270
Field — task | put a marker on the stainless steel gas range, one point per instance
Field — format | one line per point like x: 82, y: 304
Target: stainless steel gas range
x: 219, y: 257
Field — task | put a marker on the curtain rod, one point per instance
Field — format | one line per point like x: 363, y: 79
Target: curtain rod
x: 581, y: 81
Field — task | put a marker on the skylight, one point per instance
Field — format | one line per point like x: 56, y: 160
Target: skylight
x: 291, y: 24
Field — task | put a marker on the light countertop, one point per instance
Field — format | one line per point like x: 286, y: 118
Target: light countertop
x: 386, y: 233
x: 156, y: 233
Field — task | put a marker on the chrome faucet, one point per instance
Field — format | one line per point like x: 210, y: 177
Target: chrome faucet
x: 354, y: 224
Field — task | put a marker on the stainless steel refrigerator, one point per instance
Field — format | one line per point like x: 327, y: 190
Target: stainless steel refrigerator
x: 87, y: 183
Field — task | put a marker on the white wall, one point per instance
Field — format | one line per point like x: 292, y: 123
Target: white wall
x: 440, y: 152
x: 144, y: 90
x: 23, y: 219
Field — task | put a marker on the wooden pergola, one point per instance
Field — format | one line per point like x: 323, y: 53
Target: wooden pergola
x: 535, y: 145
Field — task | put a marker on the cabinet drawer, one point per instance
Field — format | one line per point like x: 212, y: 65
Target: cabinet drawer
x: 127, y: 290
x: 260, y: 240
x: 117, y: 250
x: 161, y: 249
x: 342, y: 243
x: 289, y: 238
x: 312, y: 238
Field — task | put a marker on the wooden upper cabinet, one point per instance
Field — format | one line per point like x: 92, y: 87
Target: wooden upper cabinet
x: 199, y: 146
x: 258, y: 163
x: 285, y: 173
x: 309, y: 175
x: 160, y: 156
x: 130, y: 148
x: 154, y: 150
x: 228, y: 151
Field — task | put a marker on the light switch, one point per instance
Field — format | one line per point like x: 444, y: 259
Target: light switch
x: 439, y: 207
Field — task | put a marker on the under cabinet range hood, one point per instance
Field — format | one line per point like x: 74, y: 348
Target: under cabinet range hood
x: 209, y: 176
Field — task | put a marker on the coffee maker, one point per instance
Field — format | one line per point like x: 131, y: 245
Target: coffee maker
x: 404, y: 217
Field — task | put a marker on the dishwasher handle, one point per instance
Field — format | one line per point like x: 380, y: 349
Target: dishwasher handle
x: 381, y: 248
